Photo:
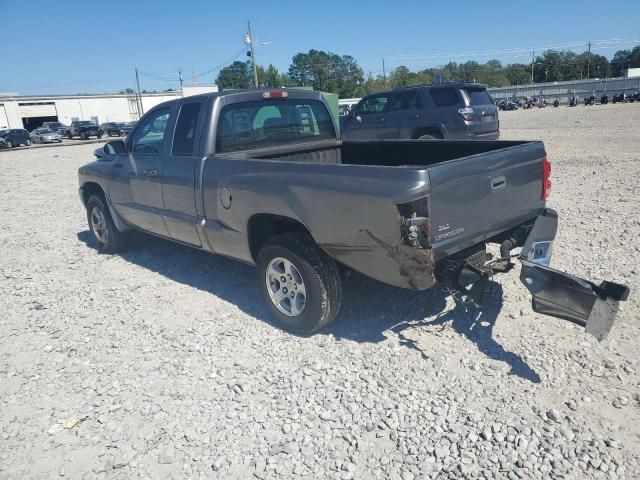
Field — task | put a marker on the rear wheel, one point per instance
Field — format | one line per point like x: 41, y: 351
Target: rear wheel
x: 28, y: 143
x: 301, y: 283
x: 9, y: 144
x: 427, y: 136
x: 109, y: 238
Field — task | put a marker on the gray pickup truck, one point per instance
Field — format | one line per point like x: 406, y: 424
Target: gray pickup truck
x: 260, y: 176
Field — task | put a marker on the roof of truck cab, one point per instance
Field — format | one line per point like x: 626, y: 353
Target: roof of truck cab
x: 254, y: 92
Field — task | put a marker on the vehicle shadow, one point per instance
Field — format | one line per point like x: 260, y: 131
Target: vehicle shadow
x: 369, y: 308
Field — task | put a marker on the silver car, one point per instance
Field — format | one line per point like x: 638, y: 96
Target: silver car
x: 45, y: 135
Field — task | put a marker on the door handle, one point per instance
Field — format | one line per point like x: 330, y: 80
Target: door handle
x: 151, y: 173
x: 498, y: 183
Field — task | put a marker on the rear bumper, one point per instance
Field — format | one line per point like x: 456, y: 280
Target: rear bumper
x: 485, y: 136
x: 563, y: 295
x: 553, y: 292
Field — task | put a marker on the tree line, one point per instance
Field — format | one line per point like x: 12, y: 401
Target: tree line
x: 341, y: 74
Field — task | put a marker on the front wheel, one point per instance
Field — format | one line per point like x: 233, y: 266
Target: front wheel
x: 109, y: 238
x: 300, y: 282
x: 28, y: 143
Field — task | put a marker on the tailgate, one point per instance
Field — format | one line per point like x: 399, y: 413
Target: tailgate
x: 485, y: 113
x: 476, y: 197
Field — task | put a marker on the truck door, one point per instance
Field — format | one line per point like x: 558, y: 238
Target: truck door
x: 179, y: 173
x: 140, y: 202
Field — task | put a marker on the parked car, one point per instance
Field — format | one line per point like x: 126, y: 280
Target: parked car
x: 112, y: 129
x: 460, y: 111
x: 84, y: 129
x: 126, y: 127
x: 58, y: 127
x: 16, y: 137
x: 260, y: 176
x: 45, y: 135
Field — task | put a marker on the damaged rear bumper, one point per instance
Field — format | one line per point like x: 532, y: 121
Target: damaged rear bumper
x: 553, y: 292
x: 560, y: 294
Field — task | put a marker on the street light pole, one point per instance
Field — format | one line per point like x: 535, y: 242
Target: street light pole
x: 253, y: 54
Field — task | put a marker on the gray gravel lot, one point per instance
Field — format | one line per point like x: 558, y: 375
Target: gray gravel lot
x: 162, y: 362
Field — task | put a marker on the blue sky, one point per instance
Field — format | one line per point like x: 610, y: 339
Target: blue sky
x: 71, y: 46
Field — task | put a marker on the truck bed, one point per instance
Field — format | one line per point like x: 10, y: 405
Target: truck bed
x: 476, y: 189
x: 390, y: 153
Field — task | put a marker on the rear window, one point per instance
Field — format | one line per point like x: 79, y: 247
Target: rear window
x: 444, y: 97
x: 271, y: 123
x: 185, y: 134
x: 478, y: 96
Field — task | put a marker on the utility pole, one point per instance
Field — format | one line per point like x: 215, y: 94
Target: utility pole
x: 589, y: 60
x: 180, y: 76
x: 140, y: 110
x: 384, y: 74
x: 533, y: 54
x: 253, y: 54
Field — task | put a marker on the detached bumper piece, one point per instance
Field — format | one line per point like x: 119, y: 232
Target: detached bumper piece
x: 560, y: 294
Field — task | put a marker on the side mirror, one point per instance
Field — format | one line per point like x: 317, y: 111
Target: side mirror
x: 115, y: 147
x: 110, y: 149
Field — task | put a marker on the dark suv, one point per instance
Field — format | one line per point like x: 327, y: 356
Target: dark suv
x: 84, y: 129
x: 463, y: 111
x: 15, y: 137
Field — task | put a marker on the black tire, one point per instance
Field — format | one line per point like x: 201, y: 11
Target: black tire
x: 83, y: 136
x: 427, y: 136
x: 320, y: 276
x: 9, y: 144
x: 69, y: 136
x: 114, y: 240
x: 28, y: 143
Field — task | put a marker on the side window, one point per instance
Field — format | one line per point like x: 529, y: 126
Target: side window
x: 373, y: 104
x: 149, y: 135
x: 186, y: 127
x: 444, y: 97
x: 409, y: 100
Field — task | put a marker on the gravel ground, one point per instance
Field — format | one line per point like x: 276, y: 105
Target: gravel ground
x: 162, y: 363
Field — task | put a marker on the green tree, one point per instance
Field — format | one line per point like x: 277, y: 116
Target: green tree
x: 327, y: 72
x: 237, y: 75
x: 624, y: 59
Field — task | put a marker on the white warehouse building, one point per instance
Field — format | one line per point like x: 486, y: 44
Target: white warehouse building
x: 30, y: 111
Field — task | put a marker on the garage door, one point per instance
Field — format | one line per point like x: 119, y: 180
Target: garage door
x: 41, y: 109
x: 4, y: 121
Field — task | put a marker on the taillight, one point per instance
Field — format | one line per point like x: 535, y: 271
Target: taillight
x: 546, y: 178
x: 275, y: 94
x: 466, y: 113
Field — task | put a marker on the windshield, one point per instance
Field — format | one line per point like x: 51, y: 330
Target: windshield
x: 84, y: 122
x: 54, y: 125
x: 44, y: 130
x: 270, y: 123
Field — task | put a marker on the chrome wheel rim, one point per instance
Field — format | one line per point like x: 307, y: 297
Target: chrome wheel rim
x: 99, y: 225
x: 286, y: 287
